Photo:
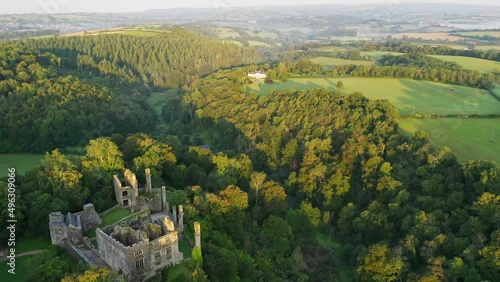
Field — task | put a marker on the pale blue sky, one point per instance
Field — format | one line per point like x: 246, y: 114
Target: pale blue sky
x: 67, y: 6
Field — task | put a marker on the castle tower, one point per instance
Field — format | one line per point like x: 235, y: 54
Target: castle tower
x: 131, y: 179
x: 197, y: 234
x: 174, y: 212
x: 164, y: 198
x: 181, y: 218
x: 126, y: 191
x: 89, y: 217
x: 58, y: 228
x: 148, y: 181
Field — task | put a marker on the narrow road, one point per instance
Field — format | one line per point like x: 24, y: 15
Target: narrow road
x: 4, y: 256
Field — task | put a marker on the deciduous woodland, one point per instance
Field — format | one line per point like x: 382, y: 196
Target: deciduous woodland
x: 298, y: 185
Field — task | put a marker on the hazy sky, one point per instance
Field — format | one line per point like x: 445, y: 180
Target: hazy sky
x: 65, y: 6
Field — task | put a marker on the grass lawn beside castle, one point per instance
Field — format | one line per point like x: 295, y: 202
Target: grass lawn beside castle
x: 32, y: 245
x: 177, y: 273
x: 22, y: 271
x: 109, y: 219
x: 185, y: 248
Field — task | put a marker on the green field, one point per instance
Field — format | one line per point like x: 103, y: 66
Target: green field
x: 491, y: 33
x: 469, y: 139
x: 177, y: 273
x: 32, y: 245
x: 21, y: 162
x: 407, y: 95
x: 135, y: 32
x: 332, y: 62
x: 262, y: 34
x: 23, y: 270
x: 109, y: 219
x: 449, y: 45
x: 258, y: 43
x: 185, y: 248
x: 481, y: 65
x: 141, y: 32
x: 158, y: 99
x: 330, y: 49
x: 487, y: 47
x: 377, y: 55
x: 234, y: 42
x: 224, y: 32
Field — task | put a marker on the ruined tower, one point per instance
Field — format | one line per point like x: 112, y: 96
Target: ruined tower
x: 148, y: 181
x: 126, y: 189
x: 174, y: 213
x: 164, y: 198
x: 181, y: 218
x: 197, y: 234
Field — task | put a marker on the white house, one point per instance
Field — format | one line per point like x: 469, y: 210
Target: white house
x: 257, y: 74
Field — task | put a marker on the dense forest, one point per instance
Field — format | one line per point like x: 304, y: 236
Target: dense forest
x: 296, y: 186
x: 42, y: 110
x: 168, y: 60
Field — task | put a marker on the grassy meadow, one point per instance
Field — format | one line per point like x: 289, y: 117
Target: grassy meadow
x: 481, y: 65
x: 225, y: 32
x: 32, y: 244
x: 423, y: 97
x: 23, y: 270
x: 491, y: 33
x: 234, y: 42
x: 332, y: 62
x: 21, y: 162
x: 487, y: 47
x: 428, y: 36
x: 377, y: 55
x: 141, y: 32
x: 258, y: 43
x: 271, y: 35
x: 469, y: 139
x: 157, y: 99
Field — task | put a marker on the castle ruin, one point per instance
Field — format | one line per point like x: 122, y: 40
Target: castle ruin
x: 72, y: 226
x: 140, y: 245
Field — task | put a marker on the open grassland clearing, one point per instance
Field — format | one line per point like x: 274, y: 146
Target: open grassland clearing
x: 350, y: 38
x: 377, y: 55
x: 428, y: 36
x: 21, y: 162
x: 409, y: 96
x: 157, y: 99
x: 234, y: 42
x: 33, y: 244
x: 481, y: 65
x: 179, y: 272
x: 452, y: 46
x: 225, y: 32
x: 330, y: 49
x: 261, y: 34
x: 468, y: 138
x: 487, y: 47
x: 141, y: 32
x: 332, y: 62
x: 258, y: 43
x: 22, y: 271
x: 492, y: 33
